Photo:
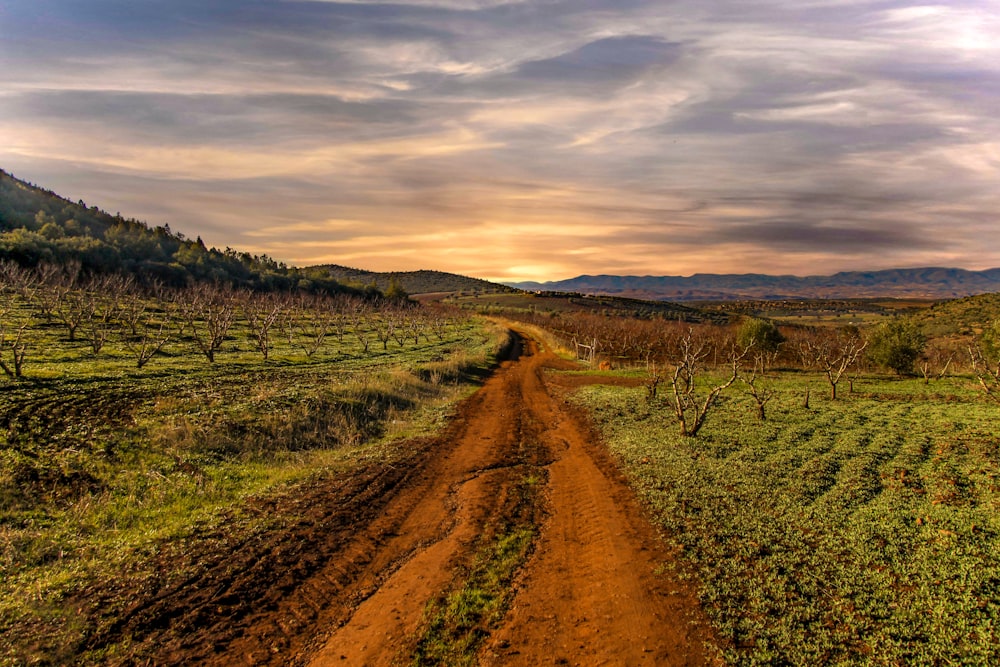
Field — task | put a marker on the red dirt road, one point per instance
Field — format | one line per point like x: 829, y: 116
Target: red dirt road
x: 357, y: 557
x: 588, y: 595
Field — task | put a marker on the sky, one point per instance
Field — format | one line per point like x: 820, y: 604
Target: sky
x: 522, y: 140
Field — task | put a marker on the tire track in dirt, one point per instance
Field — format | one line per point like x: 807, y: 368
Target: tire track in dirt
x: 349, y: 580
x: 589, y: 594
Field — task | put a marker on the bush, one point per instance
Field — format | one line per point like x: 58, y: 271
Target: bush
x: 761, y: 335
x: 895, y: 345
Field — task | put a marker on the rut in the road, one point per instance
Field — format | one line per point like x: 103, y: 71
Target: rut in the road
x: 589, y: 594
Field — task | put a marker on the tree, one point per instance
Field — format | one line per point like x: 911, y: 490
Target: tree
x: 261, y: 312
x: 834, y: 352
x: 396, y: 291
x: 757, y: 385
x: 208, y: 311
x: 985, y: 357
x: 759, y: 335
x: 148, y: 336
x: 12, y: 339
x: 896, y: 345
x: 692, y: 403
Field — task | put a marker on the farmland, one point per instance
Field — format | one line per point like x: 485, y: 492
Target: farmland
x: 198, y: 473
x: 106, y: 465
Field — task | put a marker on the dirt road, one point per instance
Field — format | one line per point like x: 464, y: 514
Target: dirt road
x: 352, y: 582
x: 587, y: 595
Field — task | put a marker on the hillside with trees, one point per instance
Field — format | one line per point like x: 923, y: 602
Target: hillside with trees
x: 414, y: 282
x: 38, y: 227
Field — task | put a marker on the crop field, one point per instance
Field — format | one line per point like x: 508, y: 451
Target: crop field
x: 858, y: 531
x: 104, y: 464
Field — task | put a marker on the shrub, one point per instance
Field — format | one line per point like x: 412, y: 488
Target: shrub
x: 895, y: 345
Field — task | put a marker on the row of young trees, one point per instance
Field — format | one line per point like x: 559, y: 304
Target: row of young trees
x: 680, y: 356
x: 94, y: 309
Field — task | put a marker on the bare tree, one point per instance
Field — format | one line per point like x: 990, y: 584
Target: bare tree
x: 15, y: 279
x: 208, y: 312
x: 834, y: 352
x: 654, y: 376
x: 12, y: 338
x: 359, y: 316
x: 100, y: 302
x: 385, y: 327
x: 261, y: 312
x: 934, y: 361
x: 691, y: 403
x: 340, y: 318
x: 986, y: 370
x: 754, y: 379
x: 131, y: 310
x: 148, y: 337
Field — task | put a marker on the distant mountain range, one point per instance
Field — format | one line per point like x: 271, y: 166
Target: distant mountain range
x: 923, y: 283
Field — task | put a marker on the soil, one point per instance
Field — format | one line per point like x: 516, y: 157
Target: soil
x: 349, y: 580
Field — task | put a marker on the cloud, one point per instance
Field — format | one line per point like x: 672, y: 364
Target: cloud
x: 506, y: 139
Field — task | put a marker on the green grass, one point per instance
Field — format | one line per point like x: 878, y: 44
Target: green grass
x: 103, y: 463
x: 861, y: 531
x: 456, y: 624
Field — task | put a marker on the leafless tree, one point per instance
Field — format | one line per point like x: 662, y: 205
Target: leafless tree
x: 986, y: 370
x: 416, y: 326
x: 754, y: 379
x: 15, y: 279
x: 131, y: 310
x: 654, y: 376
x: 385, y: 327
x: 834, y: 352
x: 208, y: 312
x: 691, y: 403
x: 934, y: 361
x: 261, y: 312
x: 62, y: 298
x: 148, y: 337
x: 101, y: 297
x: 12, y: 338
x: 307, y: 323
x: 359, y: 326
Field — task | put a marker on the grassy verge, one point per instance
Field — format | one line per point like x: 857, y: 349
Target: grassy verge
x: 101, y: 464
x: 861, y: 531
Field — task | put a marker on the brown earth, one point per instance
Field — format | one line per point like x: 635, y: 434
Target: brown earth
x: 350, y: 580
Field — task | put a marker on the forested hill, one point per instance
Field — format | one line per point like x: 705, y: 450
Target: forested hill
x: 39, y: 226
x: 926, y: 283
x: 415, y: 282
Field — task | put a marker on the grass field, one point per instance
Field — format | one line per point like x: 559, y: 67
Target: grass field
x: 860, y: 531
x: 103, y: 463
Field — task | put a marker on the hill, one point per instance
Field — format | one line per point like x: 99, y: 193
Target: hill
x: 967, y: 315
x: 922, y: 283
x: 414, y: 282
x: 38, y: 226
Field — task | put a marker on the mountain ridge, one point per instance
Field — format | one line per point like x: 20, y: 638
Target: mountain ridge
x: 921, y: 282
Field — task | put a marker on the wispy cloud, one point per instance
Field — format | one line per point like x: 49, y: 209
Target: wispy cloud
x: 523, y: 139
